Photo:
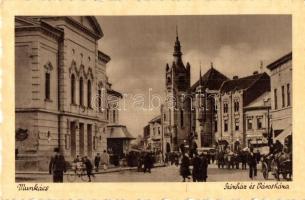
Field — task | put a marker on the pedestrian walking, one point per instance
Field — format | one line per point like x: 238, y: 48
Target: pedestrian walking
x: 140, y: 162
x: 203, y: 168
x: 220, y: 159
x: 258, y: 156
x: 196, y: 173
x: 148, y: 162
x: 105, y: 160
x: 185, y: 167
x: 89, y: 167
x: 244, y: 155
x: 57, y: 166
x: 237, y: 160
x: 252, y: 161
x: 97, y: 161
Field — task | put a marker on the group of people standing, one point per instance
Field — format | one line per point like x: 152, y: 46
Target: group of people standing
x: 231, y: 160
x: 200, y: 167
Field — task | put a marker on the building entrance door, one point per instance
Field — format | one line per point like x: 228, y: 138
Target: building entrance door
x: 81, y: 139
x: 73, y: 139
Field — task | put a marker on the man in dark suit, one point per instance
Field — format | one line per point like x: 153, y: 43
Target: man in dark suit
x: 252, y: 161
x: 57, y: 166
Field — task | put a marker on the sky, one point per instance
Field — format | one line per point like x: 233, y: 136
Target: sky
x: 140, y: 47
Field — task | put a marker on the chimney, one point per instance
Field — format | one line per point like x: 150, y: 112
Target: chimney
x: 255, y: 72
x: 235, y: 77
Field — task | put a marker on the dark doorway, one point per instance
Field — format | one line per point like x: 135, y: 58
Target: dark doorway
x: 89, y: 140
x: 73, y: 139
x: 81, y: 139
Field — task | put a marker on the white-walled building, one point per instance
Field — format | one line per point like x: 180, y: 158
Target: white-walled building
x: 281, y: 97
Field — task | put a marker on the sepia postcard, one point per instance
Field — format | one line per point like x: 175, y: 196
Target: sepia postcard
x: 152, y: 99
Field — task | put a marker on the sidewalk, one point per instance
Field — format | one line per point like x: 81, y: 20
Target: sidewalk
x: 101, y: 171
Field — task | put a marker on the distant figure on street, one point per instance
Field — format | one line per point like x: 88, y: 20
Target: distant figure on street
x: 220, y: 159
x: 258, y: 156
x: 252, y: 161
x: 57, y: 166
x: 89, y: 167
x: 140, y: 162
x: 244, y: 155
x: 185, y: 167
x: 105, y: 160
x: 97, y: 161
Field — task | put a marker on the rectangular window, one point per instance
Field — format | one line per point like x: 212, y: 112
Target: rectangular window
x: 226, y: 125
x: 215, y: 126
x: 288, y: 94
x: 236, y: 124
x: 275, y: 99
x: 249, y: 124
x: 113, y: 116
x: 283, y: 96
x: 259, y: 123
x: 181, y: 118
x: 47, y: 85
x: 159, y: 131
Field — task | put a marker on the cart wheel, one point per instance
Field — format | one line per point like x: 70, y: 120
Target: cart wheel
x: 277, y: 175
x: 71, y: 177
x: 265, y: 172
x: 84, y: 177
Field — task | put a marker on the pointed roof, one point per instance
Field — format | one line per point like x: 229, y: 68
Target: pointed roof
x: 156, y: 119
x: 119, y: 132
x: 241, y: 83
x: 212, y: 79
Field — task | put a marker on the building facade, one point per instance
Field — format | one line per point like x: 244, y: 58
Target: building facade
x: 233, y: 97
x: 61, y: 85
x: 281, y: 97
x: 257, y: 116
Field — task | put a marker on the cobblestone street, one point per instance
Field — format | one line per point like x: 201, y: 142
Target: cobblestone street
x: 160, y: 174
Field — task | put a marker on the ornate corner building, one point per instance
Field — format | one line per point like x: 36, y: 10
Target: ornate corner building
x: 61, y: 89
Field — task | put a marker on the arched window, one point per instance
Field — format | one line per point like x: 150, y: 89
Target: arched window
x: 73, y: 89
x: 47, y: 86
x: 81, y: 91
x: 89, y: 94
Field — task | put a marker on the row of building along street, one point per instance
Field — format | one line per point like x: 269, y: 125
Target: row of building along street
x: 67, y: 117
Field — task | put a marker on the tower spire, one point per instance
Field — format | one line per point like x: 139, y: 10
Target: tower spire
x: 177, y: 48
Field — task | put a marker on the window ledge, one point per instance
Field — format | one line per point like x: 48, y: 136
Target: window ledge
x: 48, y: 100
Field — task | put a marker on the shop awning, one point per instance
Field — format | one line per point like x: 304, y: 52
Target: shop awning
x: 285, y: 133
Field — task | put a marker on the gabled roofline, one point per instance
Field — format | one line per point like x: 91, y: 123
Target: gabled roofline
x: 259, y: 76
x: 39, y: 26
x: 280, y: 61
x: 76, y: 24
